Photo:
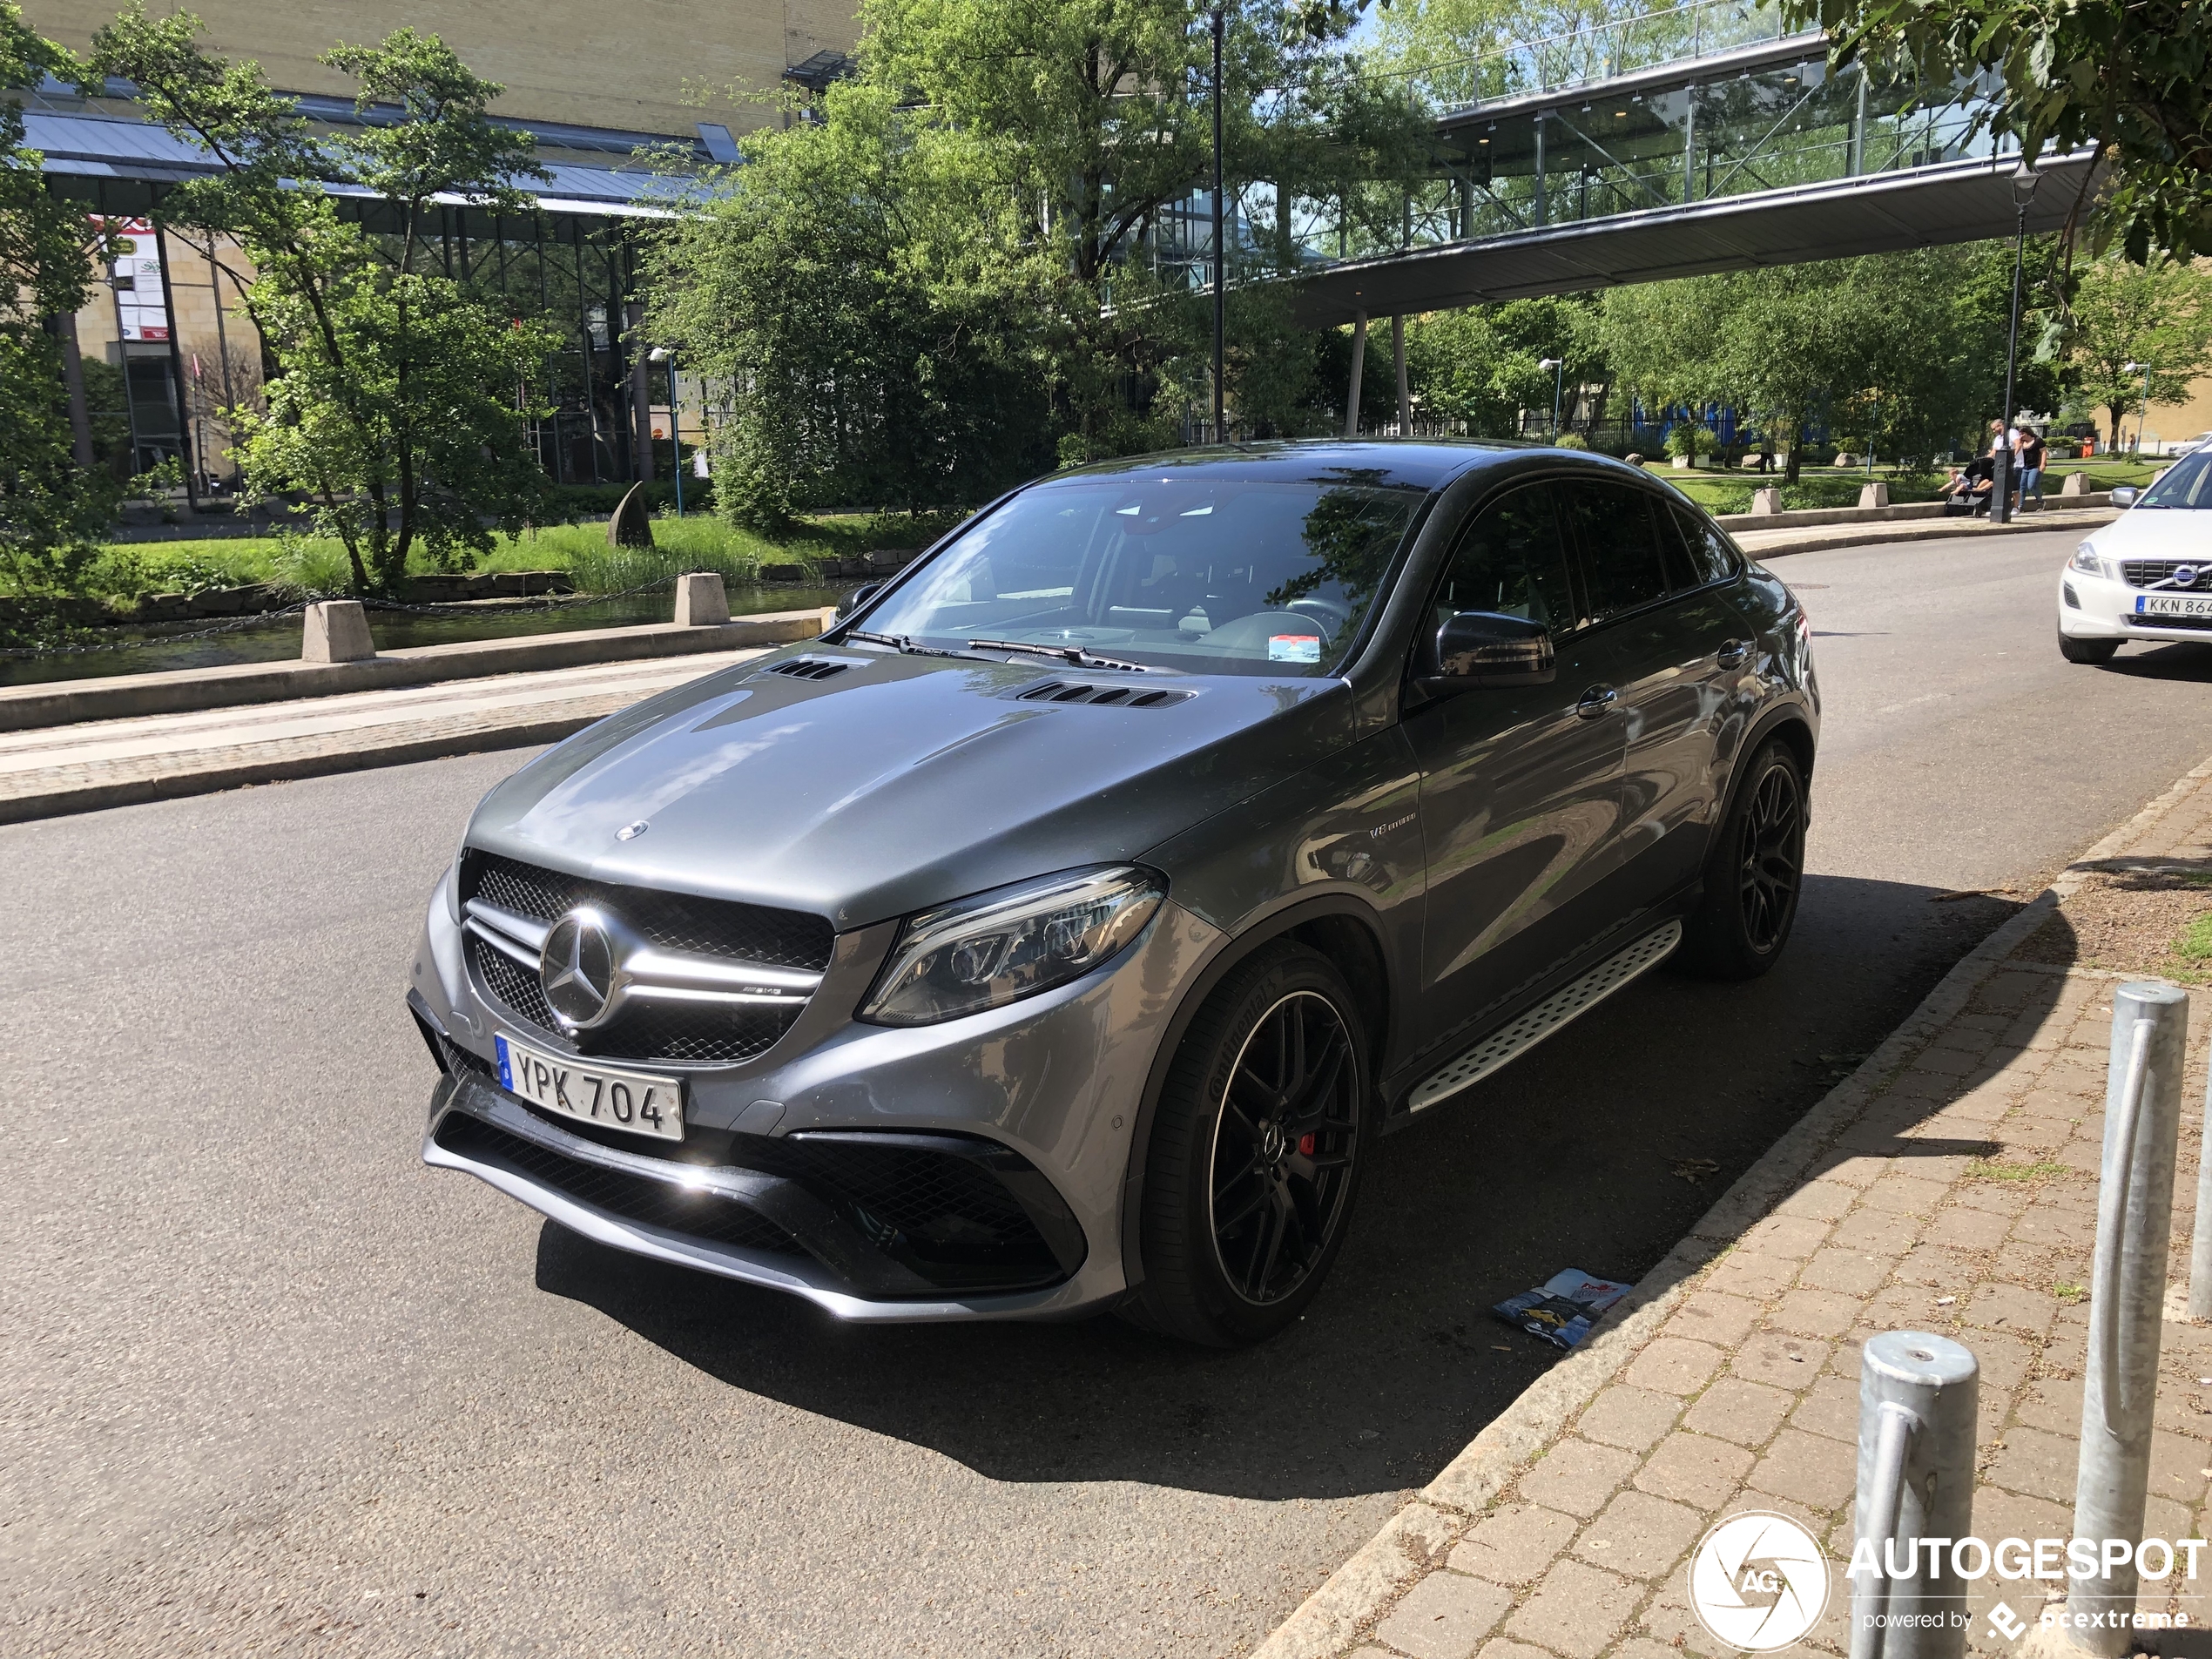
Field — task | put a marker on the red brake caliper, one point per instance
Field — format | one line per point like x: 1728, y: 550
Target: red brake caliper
x: 1306, y: 1145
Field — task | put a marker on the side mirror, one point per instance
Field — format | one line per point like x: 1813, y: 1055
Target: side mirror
x: 1480, y: 650
x: 859, y: 596
x: 2123, y: 495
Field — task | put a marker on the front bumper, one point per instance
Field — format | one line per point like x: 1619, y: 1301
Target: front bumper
x: 2098, y: 608
x: 969, y: 1170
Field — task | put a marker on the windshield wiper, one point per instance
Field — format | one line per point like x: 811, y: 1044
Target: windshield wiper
x: 1074, y: 654
x: 907, y: 646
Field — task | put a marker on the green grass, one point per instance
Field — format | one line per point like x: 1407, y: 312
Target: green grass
x: 126, y: 570
x: 1999, y: 1169
x: 1730, y: 492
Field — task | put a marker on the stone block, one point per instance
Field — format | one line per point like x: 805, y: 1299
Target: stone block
x: 2077, y: 483
x: 1514, y: 1545
x: 1816, y: 1313
x: 1672, y: 1365
x: 1627, y: 1416
x: 700, y: 602
x: 1810, y: 1469
x: 1745, y: 1413
x: 1577, y: 1609
x: 1444, y: 1616
x: 1694, y: 1469
x: 1851, y: 1272
x: 1781, y: 1361
x: 1640, y: 1535
x: 1709, y: 1316
x: 1578, y: 1476
x: 1874, y: 495
x: 336, y: 630
x: 1766, y: 502
x: 1830, y: 1407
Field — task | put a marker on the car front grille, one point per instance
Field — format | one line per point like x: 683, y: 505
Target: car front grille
x: 2141, y: 573
x: 2194, y: 625
x: 634, y: 1197
x: 664, y: 1033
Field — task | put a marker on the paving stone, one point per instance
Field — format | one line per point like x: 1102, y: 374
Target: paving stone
x: 1444, y: 1616
x: 1627, y: 1416
x: 1577, y: 1476
x: 1740, y: 1273
x: 1818, y: 1201
x: 1999, y: 1198
x: 1830, y: 1407
x: 1783, y: 1361
x: 2180, y: 1469
x: 1515, y: 1544
x: 1816, y: 1313
x: 1932, y: 1265
x: 1694, y: 1469
x: 1791, y: 1237
x: 2005, y: 1361
x: 2011, y: 1308
x: 1674, y: 1366
x: 2035, y: 1462
x: 1507, y: 1648
x: 1876, y: 1232
x: 1810, y: 1468
x: 1640, y: 1535
x: 1577, y: 1609
x: 1962, y: 1228
x: 1745, y: 1413
x: 1851, y: 1272
x: 1709, y: 1316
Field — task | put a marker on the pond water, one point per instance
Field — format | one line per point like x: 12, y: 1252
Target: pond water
x: 156, y: 648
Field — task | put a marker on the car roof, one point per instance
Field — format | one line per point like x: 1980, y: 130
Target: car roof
x: 1415, y: 463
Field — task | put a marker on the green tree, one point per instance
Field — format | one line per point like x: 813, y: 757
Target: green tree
x: 1480, y: 366
x: 2127, y: 318
x: 400, y: 403
x: 51, y: 511
x: 2132, y: 78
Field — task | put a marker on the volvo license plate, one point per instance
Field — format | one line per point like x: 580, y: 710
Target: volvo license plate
x: 639, y: 1102
x: 2173, y: 604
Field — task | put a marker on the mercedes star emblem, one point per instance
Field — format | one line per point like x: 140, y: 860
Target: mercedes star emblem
x: 576, y: 967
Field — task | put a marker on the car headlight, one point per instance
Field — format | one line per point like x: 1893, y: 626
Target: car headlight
x: 2089, y: 561
x: 1011, y: 942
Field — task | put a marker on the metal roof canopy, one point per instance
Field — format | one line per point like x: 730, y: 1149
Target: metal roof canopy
x: 1672, y: 76
x: 1959, y: 201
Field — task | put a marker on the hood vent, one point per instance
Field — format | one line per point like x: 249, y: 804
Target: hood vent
x: 811, y: 668
x: 1120, y: 697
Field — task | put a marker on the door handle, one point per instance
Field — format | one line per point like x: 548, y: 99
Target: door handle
x: 1596, y: 701
x: 1734, y: 653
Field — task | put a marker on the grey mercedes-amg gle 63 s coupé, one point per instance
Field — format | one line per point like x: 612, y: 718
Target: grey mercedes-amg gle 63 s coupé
x: 1059, y: 930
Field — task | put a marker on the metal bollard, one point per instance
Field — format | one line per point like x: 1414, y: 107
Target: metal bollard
x: 2201, y: 1241
x: 2126, y: 1296
x: 1917, y: 1399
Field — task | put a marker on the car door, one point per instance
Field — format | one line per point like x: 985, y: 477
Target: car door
x: 1519, y: 787
x: 1674, y: 652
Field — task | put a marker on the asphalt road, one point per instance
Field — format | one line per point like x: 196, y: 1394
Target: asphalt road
x: 266, y: 1384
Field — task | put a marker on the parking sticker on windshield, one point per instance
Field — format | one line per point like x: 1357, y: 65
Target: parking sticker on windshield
x: 1294, y: 647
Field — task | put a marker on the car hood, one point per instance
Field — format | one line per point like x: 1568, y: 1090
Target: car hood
x: 2156, y: 533
x: 897, y: 783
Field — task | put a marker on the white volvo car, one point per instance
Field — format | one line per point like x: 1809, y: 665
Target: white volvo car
x: 2148, y: 574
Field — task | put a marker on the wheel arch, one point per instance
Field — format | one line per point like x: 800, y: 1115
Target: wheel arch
x: 1337, y: 925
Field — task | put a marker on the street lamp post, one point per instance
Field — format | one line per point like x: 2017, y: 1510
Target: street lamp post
x: 662, y: 354
x: 2000, y: 491
x: 1559, y: 378
x: 1220, y: 254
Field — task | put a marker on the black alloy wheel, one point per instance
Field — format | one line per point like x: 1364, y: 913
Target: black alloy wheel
x: 1282, y: 1148
x: 1754, y: 875
x: 1770, y: 855
x: 1253, y: 1160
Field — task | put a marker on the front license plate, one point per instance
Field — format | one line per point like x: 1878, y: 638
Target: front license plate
x: 2173, y: 604
x: 636, y: 1101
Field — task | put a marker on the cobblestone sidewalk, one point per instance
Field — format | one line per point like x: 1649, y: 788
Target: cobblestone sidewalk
x: 1949, y: 1186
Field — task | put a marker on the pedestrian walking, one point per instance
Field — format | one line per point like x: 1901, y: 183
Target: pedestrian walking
x: 2027, y: 457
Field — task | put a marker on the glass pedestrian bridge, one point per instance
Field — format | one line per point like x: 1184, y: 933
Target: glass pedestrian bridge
x: 1697, y: 139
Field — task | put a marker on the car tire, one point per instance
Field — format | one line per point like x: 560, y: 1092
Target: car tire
x: 1754, y: 875
x: 1255, y: 1155
x: 2090, y: 652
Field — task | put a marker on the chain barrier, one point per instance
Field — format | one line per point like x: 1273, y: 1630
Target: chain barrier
x: 261, y: 618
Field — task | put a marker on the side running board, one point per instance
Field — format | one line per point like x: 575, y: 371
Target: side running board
x: 1510, y: 1043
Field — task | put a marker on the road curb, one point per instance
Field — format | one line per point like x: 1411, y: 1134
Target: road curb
x: 399, y: 752
x: 1918, y: 530
x: 1413, y: 1542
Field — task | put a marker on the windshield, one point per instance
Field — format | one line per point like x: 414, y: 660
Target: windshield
x: 2188, y: 482
x: 1210, y: 576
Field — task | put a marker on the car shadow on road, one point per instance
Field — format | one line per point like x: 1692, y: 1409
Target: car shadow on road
x: 1598, y: 1151
x: 2177, y: 661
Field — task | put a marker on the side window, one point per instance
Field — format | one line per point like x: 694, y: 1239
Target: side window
x: 1622, y: 558
x: 1511, y: 562
x: 1711, y: 557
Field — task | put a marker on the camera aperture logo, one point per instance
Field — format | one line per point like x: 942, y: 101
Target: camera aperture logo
x: 1758, y: 1581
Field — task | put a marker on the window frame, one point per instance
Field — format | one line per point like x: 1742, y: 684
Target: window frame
x: 1424, y: 641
